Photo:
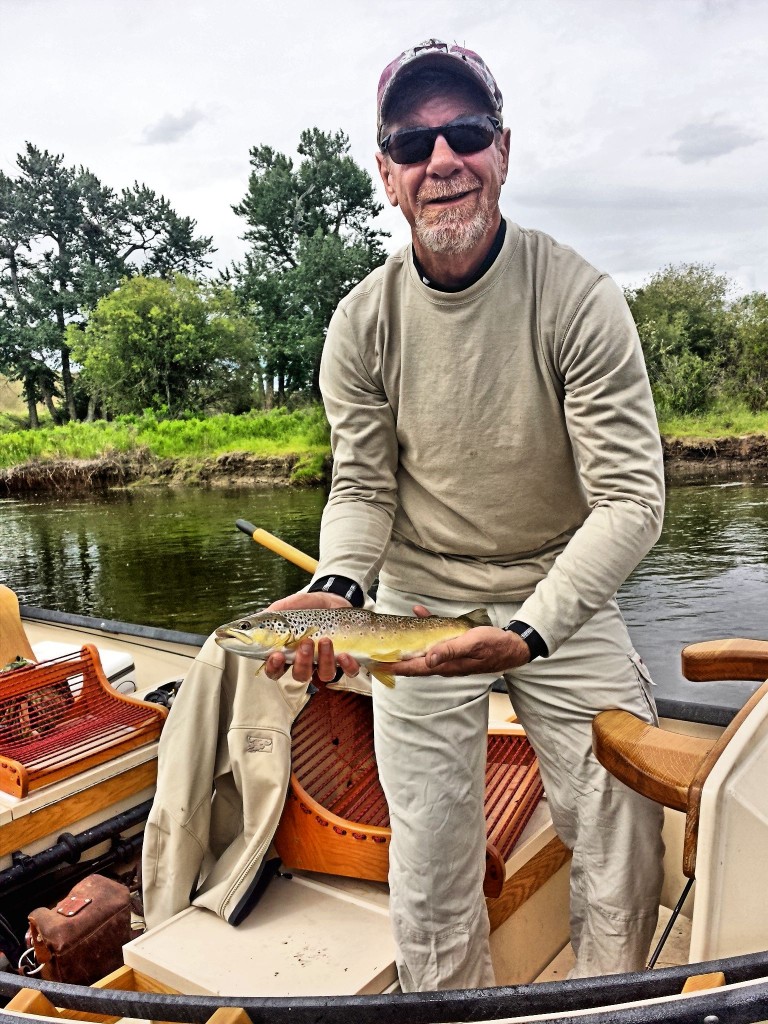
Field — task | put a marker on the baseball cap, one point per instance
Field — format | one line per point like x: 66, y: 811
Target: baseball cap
x: 435, y: 53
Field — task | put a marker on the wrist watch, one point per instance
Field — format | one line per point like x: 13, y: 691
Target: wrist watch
x: 535, y: 643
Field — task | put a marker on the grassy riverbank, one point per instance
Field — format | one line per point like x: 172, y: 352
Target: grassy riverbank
x: 725, y: 419
x: 300, y: 436
x: 282, y: 446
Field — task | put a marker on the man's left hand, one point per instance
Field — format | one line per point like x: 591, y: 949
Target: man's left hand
x: 482, y: 649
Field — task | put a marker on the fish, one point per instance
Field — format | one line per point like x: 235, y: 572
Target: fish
x: 372, y: 639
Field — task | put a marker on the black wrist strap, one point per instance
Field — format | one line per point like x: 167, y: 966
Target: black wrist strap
x: 341, y: 585
x: 534, y: 640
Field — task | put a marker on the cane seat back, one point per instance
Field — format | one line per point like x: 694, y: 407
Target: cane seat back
x: 60, y: 716
x: 336, y: 819
x: 669, y: 767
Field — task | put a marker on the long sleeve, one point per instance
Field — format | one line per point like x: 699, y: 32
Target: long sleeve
x: 357, y: 521
x: 613, y: 430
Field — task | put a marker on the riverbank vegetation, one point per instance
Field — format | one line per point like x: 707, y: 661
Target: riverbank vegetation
x: 145, y: 445
x: 121, y: 346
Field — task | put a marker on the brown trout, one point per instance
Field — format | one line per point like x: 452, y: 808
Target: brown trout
x: 371, y: 639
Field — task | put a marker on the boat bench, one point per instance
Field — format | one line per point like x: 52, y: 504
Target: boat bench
x: 61, y: 717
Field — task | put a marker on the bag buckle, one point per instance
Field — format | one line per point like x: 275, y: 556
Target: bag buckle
x: 72, y: 905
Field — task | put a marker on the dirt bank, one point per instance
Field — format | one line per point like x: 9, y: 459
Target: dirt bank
x: 233, y: 469
x: 689, y: 458
x: 684, y: 459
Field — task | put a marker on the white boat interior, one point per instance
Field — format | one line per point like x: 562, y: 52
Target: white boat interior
x: 323, y: 935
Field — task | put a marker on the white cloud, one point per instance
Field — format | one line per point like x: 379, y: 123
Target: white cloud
x: 706, y: 140
x: 172, y: 127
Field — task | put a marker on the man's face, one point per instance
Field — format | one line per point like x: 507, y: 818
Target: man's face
x: 450, y: 200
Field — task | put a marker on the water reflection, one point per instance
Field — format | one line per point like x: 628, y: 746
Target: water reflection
x: 173, y: 558
x: 167, y: 557
x: 707, y: 577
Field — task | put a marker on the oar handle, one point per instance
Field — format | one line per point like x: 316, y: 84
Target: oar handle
x: 287, y: 551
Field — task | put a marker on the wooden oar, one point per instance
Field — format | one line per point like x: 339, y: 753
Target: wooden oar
x: 268, y: 540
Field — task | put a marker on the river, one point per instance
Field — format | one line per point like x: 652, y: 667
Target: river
x: 173, y: 558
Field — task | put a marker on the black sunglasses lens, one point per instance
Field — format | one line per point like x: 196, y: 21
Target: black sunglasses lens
x: 416, y: 144
x: 411, y: 147
x: 468, y: 138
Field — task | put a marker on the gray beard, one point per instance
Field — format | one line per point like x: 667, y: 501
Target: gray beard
x: 452, y: 234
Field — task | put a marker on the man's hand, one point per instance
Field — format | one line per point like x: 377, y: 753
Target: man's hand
x: 482, y: 649
x: 304, y: 662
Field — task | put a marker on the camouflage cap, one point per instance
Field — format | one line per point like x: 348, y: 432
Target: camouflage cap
x: 435, y: 53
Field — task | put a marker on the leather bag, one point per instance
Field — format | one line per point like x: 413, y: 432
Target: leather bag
x: 81, y: 939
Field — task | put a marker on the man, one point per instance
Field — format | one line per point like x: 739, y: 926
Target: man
x: 495, y: 445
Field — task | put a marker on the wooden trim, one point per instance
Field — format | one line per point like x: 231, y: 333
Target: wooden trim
x: 528, y: 880
x: 734, y: 658
x: 229, y: 1015
x: 29, y: 1000
x: 51, y: 819
x: 124, y: 979
x: 701, y: 982
x: 128, y: 979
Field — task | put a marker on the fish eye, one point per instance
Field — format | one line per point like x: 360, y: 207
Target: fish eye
x: 245, y: 624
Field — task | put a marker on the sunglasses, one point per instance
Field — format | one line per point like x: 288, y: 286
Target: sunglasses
x: 464, y: 135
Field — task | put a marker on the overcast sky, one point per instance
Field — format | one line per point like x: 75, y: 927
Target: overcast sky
x: 639, y: 127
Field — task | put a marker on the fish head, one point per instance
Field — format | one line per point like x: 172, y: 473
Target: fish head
x: 257, y: 635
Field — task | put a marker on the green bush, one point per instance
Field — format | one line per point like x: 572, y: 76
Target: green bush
x: 684, y: 383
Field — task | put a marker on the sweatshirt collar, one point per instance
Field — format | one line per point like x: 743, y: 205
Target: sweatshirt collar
x: 487, y: 263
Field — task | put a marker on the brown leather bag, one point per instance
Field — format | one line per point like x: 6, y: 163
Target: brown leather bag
x: 81, y: 939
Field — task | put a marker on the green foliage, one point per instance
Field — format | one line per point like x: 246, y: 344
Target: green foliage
x: 310, y: 469
x: 311, y: 242
x: 278, y: 432
x: 684, y: 383
x: 172, y: 345
x: 749, y: 351
x: 65, y: 241
x: 685, y: 325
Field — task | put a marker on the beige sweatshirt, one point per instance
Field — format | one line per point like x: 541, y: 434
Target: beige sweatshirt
x: 498, y: 443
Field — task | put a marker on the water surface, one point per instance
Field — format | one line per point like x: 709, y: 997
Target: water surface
x: 173, y: 558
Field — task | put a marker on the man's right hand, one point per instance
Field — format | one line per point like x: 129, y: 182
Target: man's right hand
x: 326, y: 659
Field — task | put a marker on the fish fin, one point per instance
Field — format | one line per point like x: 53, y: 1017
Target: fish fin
x: 478, y: 617
x: 294, y: 641
x: 384, y: 677
x: 309, y: 631
x: 394, y: 655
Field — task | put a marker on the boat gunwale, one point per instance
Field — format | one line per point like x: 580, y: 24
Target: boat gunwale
x: 617, y: 994
x: 128, y: 629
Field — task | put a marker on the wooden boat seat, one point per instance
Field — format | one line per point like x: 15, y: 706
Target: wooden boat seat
x: 14, y: 643
x: 669, y: 767
x: 61, y: 716
x: 336, y: 819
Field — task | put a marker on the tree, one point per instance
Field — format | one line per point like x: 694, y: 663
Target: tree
x: 310, y: 242
x: 65, y: 241
x: 171, y: 345
x: 749, y: 351
x: 685, y: 325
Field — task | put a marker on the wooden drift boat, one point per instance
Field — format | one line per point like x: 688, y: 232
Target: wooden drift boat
x: 317, y: 946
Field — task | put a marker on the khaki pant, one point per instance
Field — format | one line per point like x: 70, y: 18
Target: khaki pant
x: 430, y: 736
